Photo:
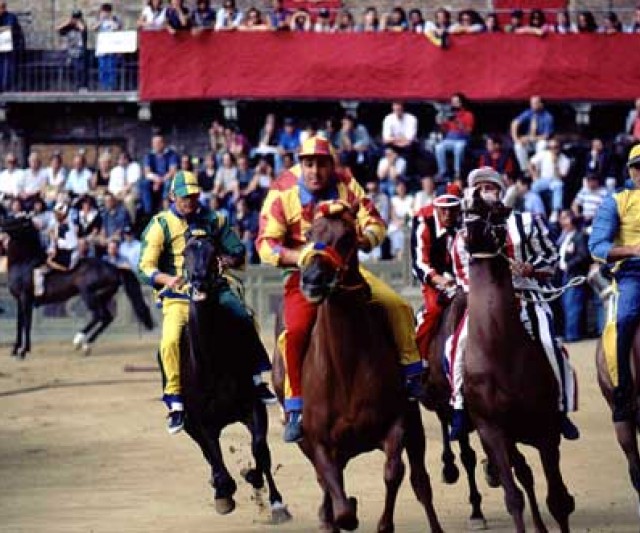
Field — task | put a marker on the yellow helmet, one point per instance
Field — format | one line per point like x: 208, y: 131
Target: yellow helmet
x: 634, y: 156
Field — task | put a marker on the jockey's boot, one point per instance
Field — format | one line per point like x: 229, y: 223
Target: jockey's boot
x: 458, y: 424
x: 415, y: 387
x: 568, y: 429
x: 175, y: 422
x: 293, y: 428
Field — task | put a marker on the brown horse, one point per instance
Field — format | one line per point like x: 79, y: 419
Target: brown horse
x: 438, y: 400
x: 510, y: 389
x: 625, y: 430
x: 353, y: 393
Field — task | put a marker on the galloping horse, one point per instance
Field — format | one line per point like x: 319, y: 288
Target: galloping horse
x: 510, y: 390
x: 353, y: 394
x: 438, y: 400
x: 94, y: 280
x: 217, y: 384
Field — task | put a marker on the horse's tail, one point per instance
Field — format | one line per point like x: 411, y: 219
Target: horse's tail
x: 134, y: 292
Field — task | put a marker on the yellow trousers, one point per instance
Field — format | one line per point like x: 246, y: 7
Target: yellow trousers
x: 175, y: 315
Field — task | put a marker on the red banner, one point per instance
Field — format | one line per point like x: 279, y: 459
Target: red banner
x: 386, y: 66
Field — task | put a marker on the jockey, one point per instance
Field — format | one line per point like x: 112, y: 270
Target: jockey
x: 534, y: 258
x: 432, y: 233
x: 64, y: 243
x: 615, y: 238
x: 161, y: 265
x: 286, y: 215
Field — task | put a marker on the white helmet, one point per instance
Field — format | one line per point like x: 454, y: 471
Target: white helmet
x: 485, y: 175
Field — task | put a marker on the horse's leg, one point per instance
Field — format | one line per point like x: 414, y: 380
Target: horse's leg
x: 469, y: 460
x: 626, y: 435
x: 28, y: 317
x: 325, y: 513
x: 415, y: 444
x: 560, y: 503
x: 495, y: 446
x: 525, y: 477
x: 80, y: 339
x: 105, y: 318
x: 450, y: 472
x: 19, y: 325
x: 258, y: 427
x: 344, y: 510
x: 393, y: 474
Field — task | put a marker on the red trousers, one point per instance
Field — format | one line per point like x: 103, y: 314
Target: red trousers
x: 428, y: 320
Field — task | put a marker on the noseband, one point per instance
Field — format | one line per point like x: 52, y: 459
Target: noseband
x: 492, y: 234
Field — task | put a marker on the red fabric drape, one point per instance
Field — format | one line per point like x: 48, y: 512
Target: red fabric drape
x: 387, y: 67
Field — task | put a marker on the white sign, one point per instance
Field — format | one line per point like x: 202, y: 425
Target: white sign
x: 6, y: 40
x: 116, y: 42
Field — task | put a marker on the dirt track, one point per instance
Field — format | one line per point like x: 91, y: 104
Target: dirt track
x: 83, y: 448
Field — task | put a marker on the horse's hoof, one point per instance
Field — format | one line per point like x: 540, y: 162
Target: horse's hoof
x: 450, y: 474
x: 86, y: 349
x: 22, y: 355
x: 225, y: 505
x: 79, y: 340
x: 279, y: 513
x: 490, y: 474
x: 477, y: 524
x: 348, y: 520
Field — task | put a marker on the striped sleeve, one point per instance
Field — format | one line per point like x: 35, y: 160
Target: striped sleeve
x: 369, y: 220
x: 152, y: 245
x: 272, y: 229
x: 545, y: 254
x: 604, y: 229
x: 460, y: 257
x: 420, y: 249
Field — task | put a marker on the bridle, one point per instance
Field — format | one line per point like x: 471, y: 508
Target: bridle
x: 337, y: 263
x: 500, y: 250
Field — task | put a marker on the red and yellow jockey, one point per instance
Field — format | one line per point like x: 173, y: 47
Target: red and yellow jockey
x: 286, y: 215
x: 432, y: 233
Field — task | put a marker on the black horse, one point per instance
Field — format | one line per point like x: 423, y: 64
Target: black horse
x: 94, y: 280
x: 217, y: 382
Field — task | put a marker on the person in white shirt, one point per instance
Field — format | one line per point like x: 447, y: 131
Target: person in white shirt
x: 589, y: 198
x: 56, y: 179
x: 79, y: 178
x: 11, y: 178
x: 130, y: 247
x: 229, y: 17
x: 399, y: 129
x: 548, y: 169
x: 401, y: 214
x: 35, y: 180
x: 426, y: 195
x: 153, y: 16
x: 123, y: 180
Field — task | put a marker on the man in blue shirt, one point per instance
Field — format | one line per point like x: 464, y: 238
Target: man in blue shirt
x: 288, y: 143
x: 532, y: 203
x: 530, y: 131
x: 160, y: 165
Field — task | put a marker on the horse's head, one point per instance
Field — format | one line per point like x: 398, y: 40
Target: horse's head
x: 331, y: 252
x: 485, y: 224
x: 17, y: 226
x: 201, y: 265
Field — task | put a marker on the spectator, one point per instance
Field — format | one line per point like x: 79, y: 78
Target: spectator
x: 268, y: 137
x: 301, y: 21
x: 217, y: 139
x: 635, y: 26
x: 130, y: 248
x: 516, y: 21
x: 396, y: 20
x: 79, y: 178
x: 260, y: 184
x: 574, y: 261
x: 416, y: 21
x: 75, y: 32
x: 530, y: 201
x: 113, y: 255
x: 496, y: 157
x: 598, y: 161
x: 399, y: 129
x: 186, y: 163
x: 632, y: 127
x: 456, y: 128
x: 237, y: 142
x: 438, y: 28
x: 153, y: 16
x: 89, y: 222
x: 468, y: 22
x: 56, y: 179
x: 107, y: 63
x: 280, y: 17
x: 344, y: 22
x: 253, y: 21
x: 353, y: 145
x: 370, y: 21
x: 114, y: 219
x: 177, y: 16
x: 589, y: 198
x: 160, y: 165
x: 537, y: 24
x: 323, y: 22
x: 548, y: 169
x: 611, y: 23
x: 34, y: 180
x: 100, y: 178
x: 288, y: 142
x: 426, y: 195
x: 11, y: 178
x: 383, y: 205
x: 43, y: 220
x: 245, y: 174
x: 226, y: 187
x: 563, y: 24
x: 587, y: 22
x: 123, y: 182
x: 492, y: 23
x: 392, y: 168
x: 401, y: 215
x: 530, y: 131
x: 288, y: 161
x: 203, y: 16
x: 245, y: 223
x: 206, y: 178
x: 8, y: 60
x: 229, y: 17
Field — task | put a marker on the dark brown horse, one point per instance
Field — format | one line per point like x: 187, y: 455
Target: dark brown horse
x: 510, y: 389
x: 353, y: 392
x: 626, y: 431
x: 438, y: 400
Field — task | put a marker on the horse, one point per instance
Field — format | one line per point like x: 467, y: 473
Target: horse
x: 437, y: 399
x: 96, y: 282
x: 217, y: 387
x: 510, y: 390
x: 354, y: 400
x: 625, y: 430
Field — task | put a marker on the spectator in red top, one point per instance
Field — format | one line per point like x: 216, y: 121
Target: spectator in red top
x: 456, y: 129
x: 497, y: 158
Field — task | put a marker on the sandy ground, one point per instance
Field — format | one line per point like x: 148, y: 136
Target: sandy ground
x: 83, y: 448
